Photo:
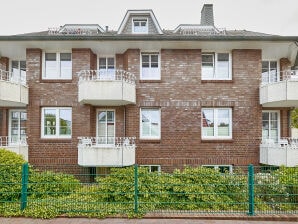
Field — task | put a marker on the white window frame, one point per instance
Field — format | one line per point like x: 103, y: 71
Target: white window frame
x: 58, y: 65
x: 159, y: 122
x: 215, y: 67
x: 150, y: 168
x: 216, y: 167
x: 158, y: 68
x: 278, y: 124
x: 277, y: 70
x: 106, y: 74
x: 97, y: 112
x: 57, y: 127
x: 20, y: 140
x: 216, y: 136
x: 139, y: 19
x: 20, y: 75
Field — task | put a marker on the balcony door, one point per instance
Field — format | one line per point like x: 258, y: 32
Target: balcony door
x: 17, y: 126
x: 105, y: 127
x: 270, y: 127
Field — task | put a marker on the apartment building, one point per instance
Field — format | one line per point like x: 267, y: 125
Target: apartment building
x: 197, y: 95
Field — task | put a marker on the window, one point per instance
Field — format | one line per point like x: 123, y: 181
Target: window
x: 107, y: 68
x: 105, y: 127
x: 221, y: 168
x: 56, y: 122
x: 57, y: 66
x: 216, y: 66
x: 140, y: 26
x: 269, y: 71
x: 216, y: 123
x: 17, y: 126
x: 153, y: 168
x: 18, y: 69
x: 150, y: 66
x: 150, y: 123
x: 270, y: 126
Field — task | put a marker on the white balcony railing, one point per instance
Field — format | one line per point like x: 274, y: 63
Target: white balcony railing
x: 106, y: 152
x: 280, y: 92
x: 106, y: 88
x: 281, y: 153
x: 13, y: 89
x: 17, y: 145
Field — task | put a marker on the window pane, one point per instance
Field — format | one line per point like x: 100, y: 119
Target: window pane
x: 150, y: 123
x: 65, y: 56
x: 66, y: 69
x: 223, y: 122
x: 222, y: 71
x: 207, y: 122
x: 223, y: 57
x: 49, y: 122
x: 51, y: 66
x: 65, y: 121
x: 207, y: 66
x: 102, y: 63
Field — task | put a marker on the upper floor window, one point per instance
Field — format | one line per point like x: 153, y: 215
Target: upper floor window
x: 106, y: 66
x: 216, y: 123
x: 150, y: 66
x: 57, y: 66
x: 269, y: 71
x: 150, y: 123
x: 56, y: 122
x: 18, y: 69
x: 216, y: 66
x: 140, y: 25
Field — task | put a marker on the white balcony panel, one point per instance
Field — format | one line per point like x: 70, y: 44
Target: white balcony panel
x: 107, y: 92
x: 281, y: 94
x: 20, y: 147
x: 121, y: 153
x: 277, y: 155
x: 13, y: 94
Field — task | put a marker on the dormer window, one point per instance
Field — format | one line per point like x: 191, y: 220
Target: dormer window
x: 140, y: 25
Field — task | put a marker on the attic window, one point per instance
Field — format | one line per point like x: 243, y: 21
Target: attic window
x: 140, y: 26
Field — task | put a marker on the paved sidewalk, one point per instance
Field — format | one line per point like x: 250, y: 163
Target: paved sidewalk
x: 129, y: 221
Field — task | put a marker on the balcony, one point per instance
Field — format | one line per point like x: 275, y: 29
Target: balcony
x: 116, y: 152
x: 18, y: 146
x: 13, y: 90
x: 281, y: 93
x: 106, y: 88
x: 284, y: 152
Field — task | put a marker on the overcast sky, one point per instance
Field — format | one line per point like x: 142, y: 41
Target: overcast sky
x: 269, y: 16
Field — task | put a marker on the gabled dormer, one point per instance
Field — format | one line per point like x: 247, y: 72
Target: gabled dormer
x: 139, y: 22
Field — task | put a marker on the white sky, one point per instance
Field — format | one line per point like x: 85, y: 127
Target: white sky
x: 268, y: 16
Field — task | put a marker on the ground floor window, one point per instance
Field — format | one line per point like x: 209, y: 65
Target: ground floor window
x: 105, y: 127
x: 152, y: 168
x: 17, y: 126
x: 221, y: 168
x: 150, y: 123
x: 270, y: 126
x: 56, y: 122
x: 216, y: 123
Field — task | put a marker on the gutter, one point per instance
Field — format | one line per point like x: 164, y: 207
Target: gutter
x: 161, y: 37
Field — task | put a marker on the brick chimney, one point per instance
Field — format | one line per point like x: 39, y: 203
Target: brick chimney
x: 207, y: 15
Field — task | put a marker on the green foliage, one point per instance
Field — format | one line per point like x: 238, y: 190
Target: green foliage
x: 10, y: 175
x: 294, y: 118
x: 48, y: 183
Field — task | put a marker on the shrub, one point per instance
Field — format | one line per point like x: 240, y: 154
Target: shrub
x: 10, y: 175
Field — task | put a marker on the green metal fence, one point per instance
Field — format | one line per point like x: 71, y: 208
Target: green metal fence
x: 74, y: 191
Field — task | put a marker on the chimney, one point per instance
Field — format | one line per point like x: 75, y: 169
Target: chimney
x: 207, y: 15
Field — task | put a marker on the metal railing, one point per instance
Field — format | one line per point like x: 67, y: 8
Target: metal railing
x: 135, y: 191
x: 114, y: 141
x: 105, y: 75
x: 9, y: 140
x: 282, y: 142
x: 287, y: 75
x: 13, y: 78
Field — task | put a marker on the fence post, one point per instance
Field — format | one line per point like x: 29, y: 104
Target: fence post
x: 251, y: 196
x: 136, y: 191
x: 25, y: 174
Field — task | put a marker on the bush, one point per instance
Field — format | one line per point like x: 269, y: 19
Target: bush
x: 10, y: 175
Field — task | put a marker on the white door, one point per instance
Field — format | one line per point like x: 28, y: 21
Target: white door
x: 270, y: 127
x: 106, y: 127
x: 17, y: 126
